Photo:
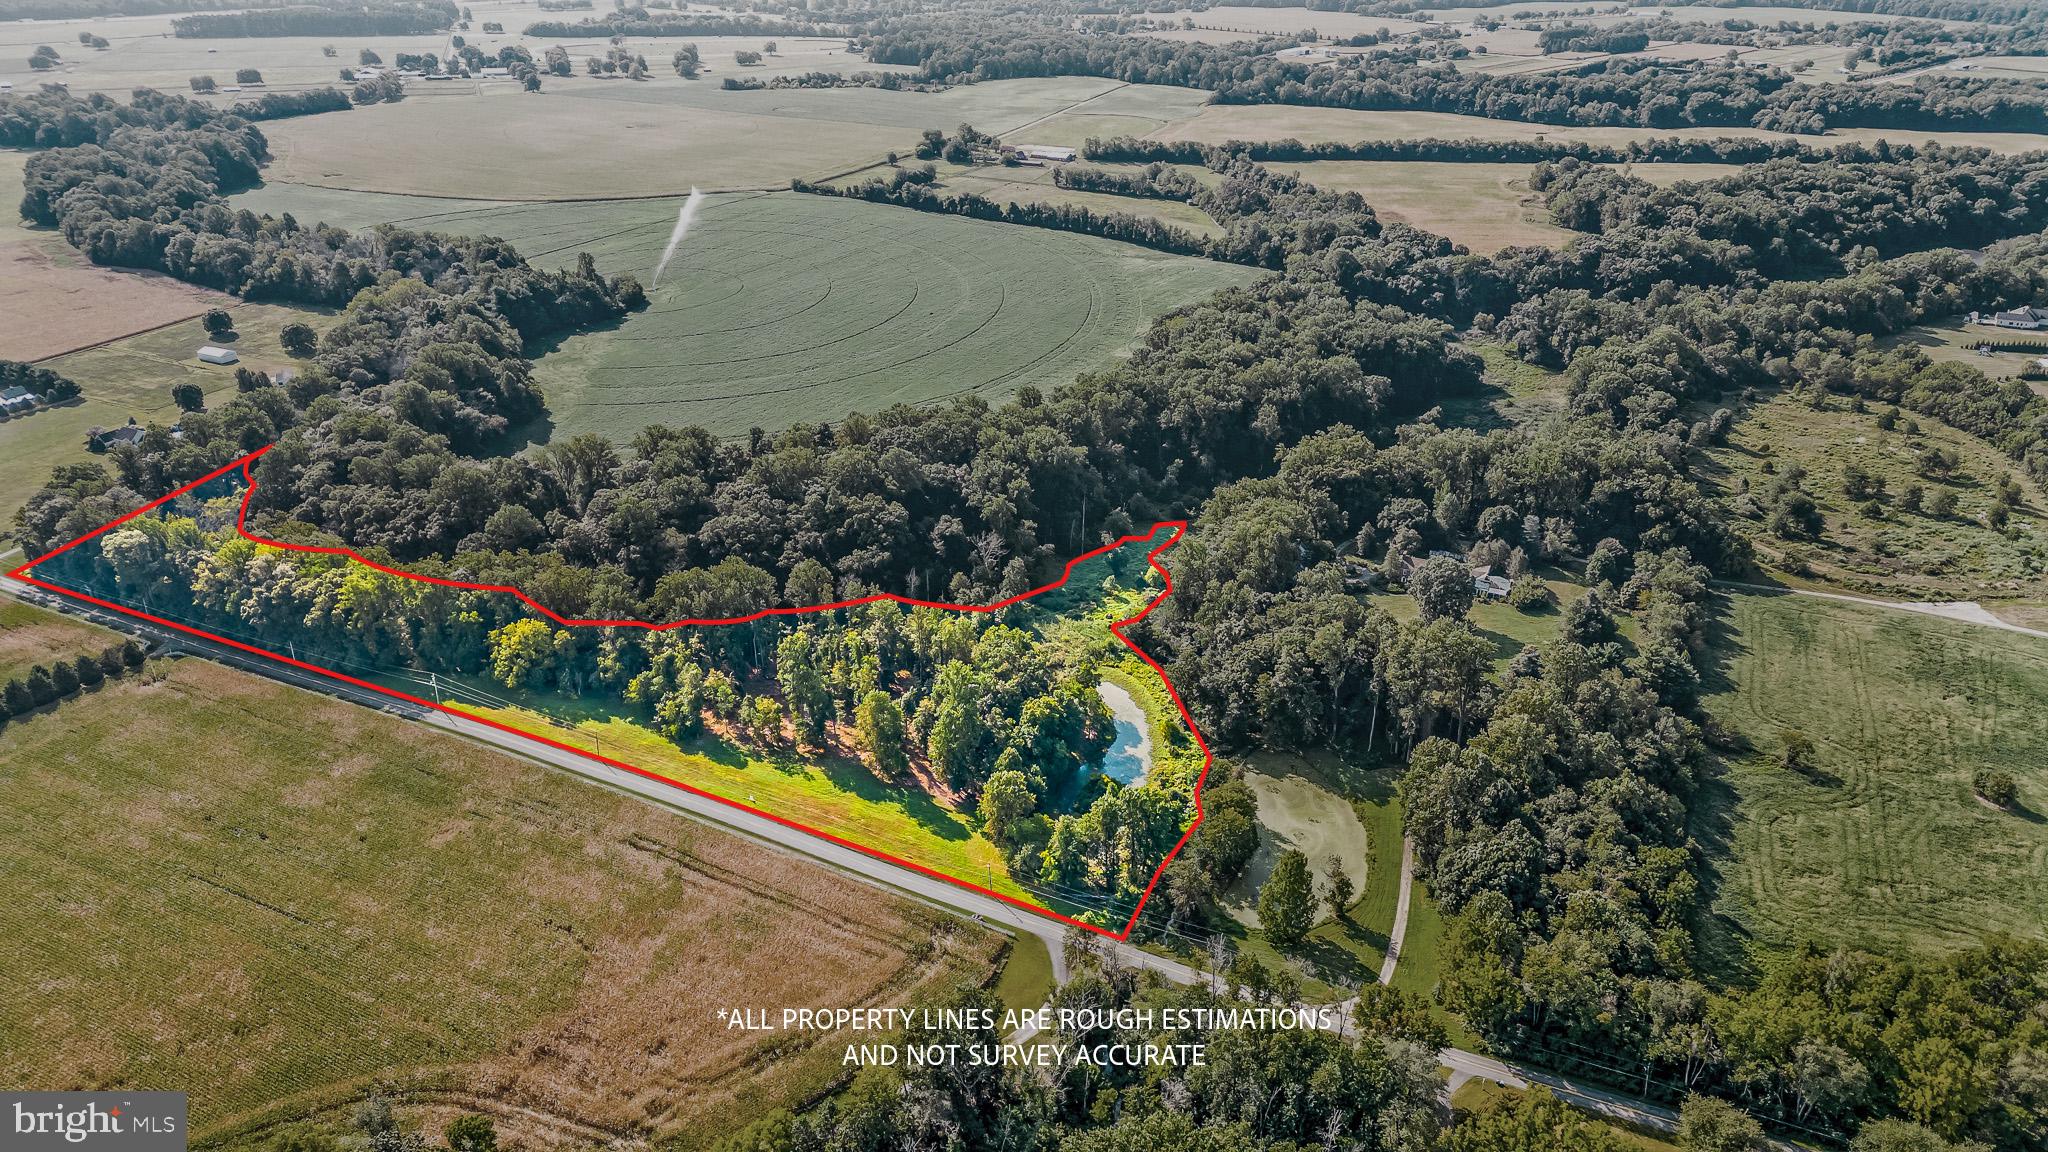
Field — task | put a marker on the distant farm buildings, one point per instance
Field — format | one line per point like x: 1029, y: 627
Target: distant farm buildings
x: 1047, y: 152
x: 17, y: 400
x: 212, y: 355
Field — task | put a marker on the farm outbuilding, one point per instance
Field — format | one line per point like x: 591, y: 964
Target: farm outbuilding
x: 212, y: 355
x: 1046, y: 152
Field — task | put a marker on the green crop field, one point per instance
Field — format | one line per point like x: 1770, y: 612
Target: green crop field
x: 1884, y: 845
x: 280, y: 901
x: 782, y: 308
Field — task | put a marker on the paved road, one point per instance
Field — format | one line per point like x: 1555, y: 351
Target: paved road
x: 880, y: 873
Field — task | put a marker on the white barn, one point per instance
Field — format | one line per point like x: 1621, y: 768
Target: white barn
x: 212, y: 355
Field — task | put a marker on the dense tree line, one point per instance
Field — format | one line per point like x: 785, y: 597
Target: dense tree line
x: 53, y: 118
x: 1257, y: 1090
x: 1128, y: 227
x: 1798, y: 214
x: 1662, y: 150
x: 378, y: 18
x: 41, y: 381
x: 1632, y: 93
x: 280, y: 105
x: 1153, y: 182
x: 638, y: 21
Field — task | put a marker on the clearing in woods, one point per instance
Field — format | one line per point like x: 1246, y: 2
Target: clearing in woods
x: 1871, y: 542
x: 784, y: 308
x: 1882, y: 845
x: 1485, y: 207
x: 207, y: 865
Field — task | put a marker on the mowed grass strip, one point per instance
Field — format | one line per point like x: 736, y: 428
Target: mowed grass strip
x: 781, y: 308
x: 268, y: 897
x: 1883, y: 846
x: 831, y: 794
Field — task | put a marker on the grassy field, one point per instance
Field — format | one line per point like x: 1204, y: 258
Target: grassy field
x: 132, y: 377
x: 56, y: 301
x: 1485, y: 207
x: 1026, y: 980
x: 276, y: 899
x: 789, y: 307
x: 31, y: 636
x: 1883, y: 846
x: 1904, y: 554
x: 1322, y: 806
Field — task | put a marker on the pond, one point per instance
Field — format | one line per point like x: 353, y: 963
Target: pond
x: 1130, y: 757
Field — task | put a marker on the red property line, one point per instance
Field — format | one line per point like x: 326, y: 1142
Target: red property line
x: 1179, y: 528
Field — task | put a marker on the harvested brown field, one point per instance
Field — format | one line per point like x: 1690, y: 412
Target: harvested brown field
x: 52, y: 300
x: 1485, y: 207
x: 31, y: 636
x: 285, y: 902
x: 518, y: 146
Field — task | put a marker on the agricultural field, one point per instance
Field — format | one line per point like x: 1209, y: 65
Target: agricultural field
x: 1882, y: 844
x: 1218, y: 123
x: 1081, y: 105
x: 1902, y: 553
x: 142, y: 53
x: 461, y: 925
x: 1485, y: 207
x: 132, y: 378
x: 30, y: 636
x: 789, y: 307
x: 53, y: 300
x: 523, y: 146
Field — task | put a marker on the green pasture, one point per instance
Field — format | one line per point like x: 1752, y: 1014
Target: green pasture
x: 1882, y: 845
